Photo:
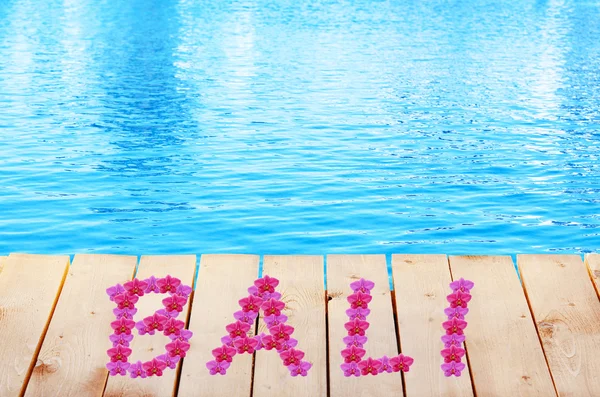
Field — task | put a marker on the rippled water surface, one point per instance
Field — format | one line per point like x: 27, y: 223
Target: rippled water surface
x: 299, y: 126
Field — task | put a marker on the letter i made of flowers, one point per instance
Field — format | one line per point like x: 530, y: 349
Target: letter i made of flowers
x: 455, y: 326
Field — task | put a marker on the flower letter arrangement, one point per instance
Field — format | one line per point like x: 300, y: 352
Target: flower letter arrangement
x: 164, y: 320
x: 354, y: 365
x: 262, y: 296
x: 455, y: 326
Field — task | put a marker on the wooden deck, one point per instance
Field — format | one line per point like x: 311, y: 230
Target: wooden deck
x: 540, y: 337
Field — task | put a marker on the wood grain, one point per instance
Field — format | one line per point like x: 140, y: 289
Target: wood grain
x: 147, y: 347
x: 29, y: 288
x: 302, y: 287
x: 593, y: 263
x: 505, y: 355
x: 342, y: 270
x: 421, y: 284
x: 222, y: 281
x: 567, y: 314
x: 73, y: 356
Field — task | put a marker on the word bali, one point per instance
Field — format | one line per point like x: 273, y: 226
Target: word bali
x: 263, y: 296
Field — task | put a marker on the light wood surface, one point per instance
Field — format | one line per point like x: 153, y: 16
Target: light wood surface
x: 421, y: 284
x: 146, y: 347
x: 222, y: 281
x: 567, y: 314
x: 505, y: 355
x: 301, y: 285
x: 342, y: 270
x: 29, y: 288
x: 593, y: 264
x: 73, y: 356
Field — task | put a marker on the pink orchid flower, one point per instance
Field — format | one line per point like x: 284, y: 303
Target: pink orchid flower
x: 356, y: 327
x: 184, y: 335
x: 143, y: 329
x: 217, y: 367
x: 401, y: 363
x: 154, y: 367
x: 125, y: 313
x: 359, y: 300
x: 183, y: 291
x: 355, y: 340
x: 245, y: 345
x: 119, y: 353
x: 114, y: 291
x: 291, y: 356
x: 171, y: 361
x: 156, y: 321
x: 117, y: 368
x: 353, y: 354
x: 454, y: 326
x: 274, y: 320
x: 359, y: 313
x: 237, y: 329
x: 266, y: 284
x: 281, y: 332
x: 362, y: 285
x: 223, y: 353
x: 271, y: 295
x: 462, y: 285
x: 245, y: 317
x: 151, y: 285
x: 168, y: 284
x: 350, y: 369
x: 251, y: 303
x: 301, y: 369
x: 136, y: 370
x: 453, y: 368
x: 369, y: 366
x: 459, y: 299
x: 136, y: 287
x: 122, y: 326
x: 385, y: 365
x: 126, y: 300
x: 458, y: 312
x: 453, y: 340
x: 453, y: 353
x: 283, y: 345
x: 174, y: 303
x: 272, y: 307
x: 269, y: 343
x: 121, y: 339
x: 173, y: 327
x: 167, y: 314
x: 259, y: 341
x: 227, y: 341
x: 177, y: 348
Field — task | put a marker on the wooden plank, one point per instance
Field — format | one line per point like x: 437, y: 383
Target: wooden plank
x: 302, y: 287
x: 222, y: 281
x: 29, y: 289
x: 147, y: 347
x: 567, y: 314
x: 505, y: 355
x: 73, y: 356
x: 593, y: 264
x: 421, y: 284
x: 341, y: 271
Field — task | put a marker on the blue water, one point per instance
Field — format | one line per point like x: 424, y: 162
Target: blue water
x: 286, y: 126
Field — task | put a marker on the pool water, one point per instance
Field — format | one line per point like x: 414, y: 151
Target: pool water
x: 153, y: 127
